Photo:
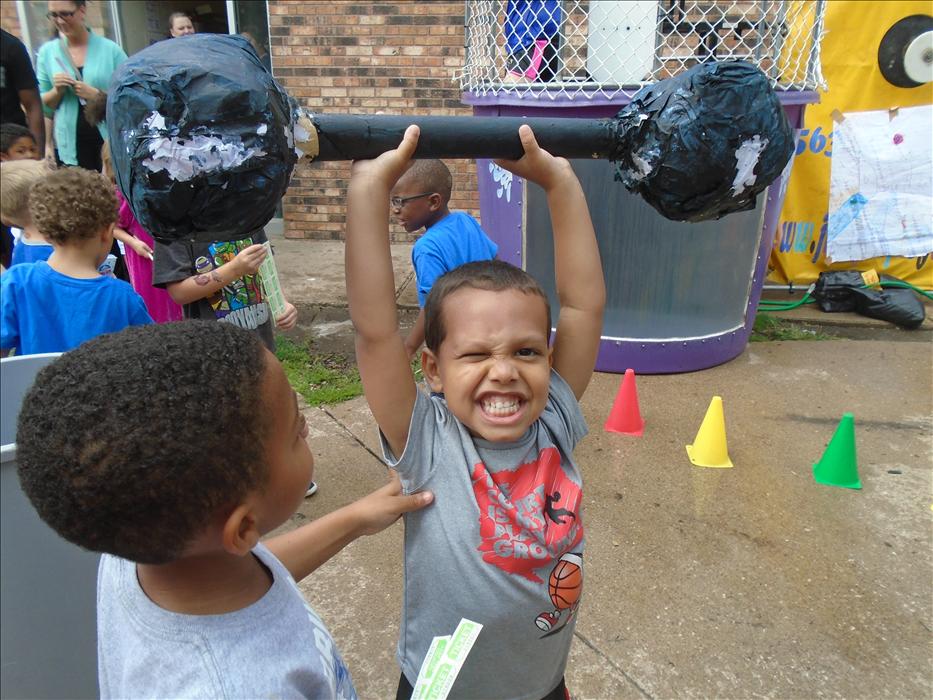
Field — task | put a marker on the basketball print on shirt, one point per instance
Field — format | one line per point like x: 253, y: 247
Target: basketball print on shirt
x: 529, y: 516
x: 530, y: 520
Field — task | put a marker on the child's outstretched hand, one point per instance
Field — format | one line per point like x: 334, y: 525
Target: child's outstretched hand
x: 537, y: 165
x: 141, y: 248
x: 384, y: 506
x: 389, y: 166
x: 288, y: 319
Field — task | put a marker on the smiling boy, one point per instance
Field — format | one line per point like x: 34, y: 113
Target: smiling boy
x: 494, y: 441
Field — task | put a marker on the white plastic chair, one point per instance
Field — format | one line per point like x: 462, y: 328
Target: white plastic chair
x: 48, y: 586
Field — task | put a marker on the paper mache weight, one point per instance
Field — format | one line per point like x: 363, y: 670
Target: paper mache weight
x: 204, y: 140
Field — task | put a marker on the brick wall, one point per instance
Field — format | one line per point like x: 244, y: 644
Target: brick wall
x: 9, y: 20
x: 364, y: 57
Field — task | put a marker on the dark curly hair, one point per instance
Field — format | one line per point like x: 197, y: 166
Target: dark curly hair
x: 132, y: 442
x: 491, y: 275
x: 71, y: 204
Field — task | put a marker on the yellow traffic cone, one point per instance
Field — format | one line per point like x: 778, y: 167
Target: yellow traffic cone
x: 709, y: 446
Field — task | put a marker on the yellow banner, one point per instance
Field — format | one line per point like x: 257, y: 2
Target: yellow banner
x: 854, y: 31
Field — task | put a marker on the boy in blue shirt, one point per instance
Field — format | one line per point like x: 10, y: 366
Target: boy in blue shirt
x: 18, y: 177
x: 494, y: 441
x: 176, y: 478
x: 56, y: 305
x: 419, y: 200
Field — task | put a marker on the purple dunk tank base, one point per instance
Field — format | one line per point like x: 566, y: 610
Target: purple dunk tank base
x: 508, y: 208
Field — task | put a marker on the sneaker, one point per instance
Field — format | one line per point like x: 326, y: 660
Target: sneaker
x: 312, y: 489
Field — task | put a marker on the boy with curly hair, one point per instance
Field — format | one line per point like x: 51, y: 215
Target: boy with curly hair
x: 190, y: 603
x: 494, y: 441
x: 55, y: 305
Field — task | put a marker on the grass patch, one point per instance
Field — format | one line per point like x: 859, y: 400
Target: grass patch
x: 768, y: 327
x: 320, y: 378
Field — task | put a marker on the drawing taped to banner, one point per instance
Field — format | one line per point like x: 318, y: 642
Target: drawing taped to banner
x: 858, y: 60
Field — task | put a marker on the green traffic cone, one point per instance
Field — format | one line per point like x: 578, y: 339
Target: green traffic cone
x: 838, y: 465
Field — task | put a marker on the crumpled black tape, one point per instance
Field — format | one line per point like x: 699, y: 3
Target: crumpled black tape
x: 696, y: 123
x: 208, y: 84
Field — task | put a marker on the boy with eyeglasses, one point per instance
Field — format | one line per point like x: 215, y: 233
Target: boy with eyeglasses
x: 419, y: 200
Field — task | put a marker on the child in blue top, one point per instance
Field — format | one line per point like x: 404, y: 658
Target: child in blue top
x: 419, y: 200
x: 56, y: 305
x: 18, y: 177
x: 494, y: 442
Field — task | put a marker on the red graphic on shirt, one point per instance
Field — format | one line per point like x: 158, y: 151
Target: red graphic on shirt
x: 528, y: 516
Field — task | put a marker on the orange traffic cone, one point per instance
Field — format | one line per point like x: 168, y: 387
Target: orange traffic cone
x: 625, y: 417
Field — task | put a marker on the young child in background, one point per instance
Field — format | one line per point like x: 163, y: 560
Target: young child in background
x: 56, y: 305
x: 139, y: 253
x: 218, y: 281
x: 493, y: 442
x: 16, y: 143
x: 420, y: 200
x: 176, y: 478
x: 17, y: 178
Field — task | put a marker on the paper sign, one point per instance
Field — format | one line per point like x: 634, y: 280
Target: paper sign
x: 272, y: 289
x: 444, y: 660
x: 881, y: 184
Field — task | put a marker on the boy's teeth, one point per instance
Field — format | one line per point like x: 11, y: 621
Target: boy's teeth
x: 500, y: 407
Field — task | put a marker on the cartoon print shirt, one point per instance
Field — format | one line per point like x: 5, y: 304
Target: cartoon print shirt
x: 241, y: 302
x: 501, y: 545
x: 275, y: 648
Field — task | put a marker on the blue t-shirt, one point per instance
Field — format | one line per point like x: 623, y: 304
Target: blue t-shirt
x: 453, y: 241
x: 42, y: 310
x: 24, y: 252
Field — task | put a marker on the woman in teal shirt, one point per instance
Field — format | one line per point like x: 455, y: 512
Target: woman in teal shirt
x: 72, y: 69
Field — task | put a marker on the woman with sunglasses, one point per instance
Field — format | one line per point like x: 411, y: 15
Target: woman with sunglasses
x: 72, y: 69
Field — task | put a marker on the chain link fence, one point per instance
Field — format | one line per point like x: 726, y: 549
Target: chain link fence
x: 573, y: 49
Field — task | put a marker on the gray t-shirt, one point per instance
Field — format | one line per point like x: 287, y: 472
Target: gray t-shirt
x: 276, y: 647
x: 502, y: 545
x: 241, y: 302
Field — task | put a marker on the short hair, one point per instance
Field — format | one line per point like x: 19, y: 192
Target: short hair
x: 490, y: 275
x: 175, y: 15
x: 18, y: 178
x: 132, y: 442
x: 72, y: 204
x: 10, y: 133
x: 430, y: 175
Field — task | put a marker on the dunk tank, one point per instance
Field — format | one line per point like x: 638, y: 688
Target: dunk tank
x: 681, y: 296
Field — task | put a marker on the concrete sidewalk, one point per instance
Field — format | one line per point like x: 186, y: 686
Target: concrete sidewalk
x: 752, y: 581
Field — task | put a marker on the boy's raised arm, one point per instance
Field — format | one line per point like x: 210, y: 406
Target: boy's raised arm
x: 380, y: 352
x: 578, y: 270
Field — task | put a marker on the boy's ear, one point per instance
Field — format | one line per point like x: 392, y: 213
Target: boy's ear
x: 431, y: 371
x: 240, y: 531
x: 436, y: 201
x: 108, y: 232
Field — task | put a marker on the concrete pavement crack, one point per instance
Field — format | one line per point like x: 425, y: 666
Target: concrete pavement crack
x: 613, y: 664
x: 351, y: 434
